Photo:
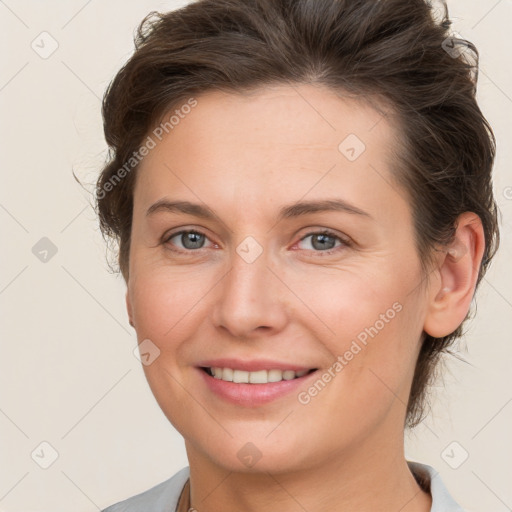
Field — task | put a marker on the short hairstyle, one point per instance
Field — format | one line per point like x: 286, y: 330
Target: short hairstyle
x: 399, y: 51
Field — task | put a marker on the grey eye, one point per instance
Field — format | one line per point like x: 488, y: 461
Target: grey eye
x: 189, y: 239
x: 321, y: 241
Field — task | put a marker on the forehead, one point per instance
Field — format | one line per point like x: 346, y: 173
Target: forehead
x: 271, y: 144
x: 298, y: 116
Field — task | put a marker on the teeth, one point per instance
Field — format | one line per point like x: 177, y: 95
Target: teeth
x: 239, y: 376
x: 275, y: 375
x: 259, y: 377
x: 226, y: 374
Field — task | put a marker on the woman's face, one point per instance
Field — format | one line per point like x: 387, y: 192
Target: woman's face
x: 259, y: 286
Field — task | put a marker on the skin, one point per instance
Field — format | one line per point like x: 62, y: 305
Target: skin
x: 245, y: 156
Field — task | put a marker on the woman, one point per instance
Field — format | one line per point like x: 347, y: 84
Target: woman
x: 301, y: 191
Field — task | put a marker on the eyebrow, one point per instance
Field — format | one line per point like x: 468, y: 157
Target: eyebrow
x: 287, y: 212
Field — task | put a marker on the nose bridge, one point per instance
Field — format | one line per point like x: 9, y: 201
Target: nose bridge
x: 249, y: 296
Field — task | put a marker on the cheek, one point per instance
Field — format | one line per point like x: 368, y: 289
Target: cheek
x: 163, y: 302
x: 372, y: 326
x: 347, y: 303
x: 381, y: 357
x: 371, y: 371
x: 163, y: 305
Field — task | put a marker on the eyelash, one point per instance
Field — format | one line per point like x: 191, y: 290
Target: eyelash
x: 344, y: 241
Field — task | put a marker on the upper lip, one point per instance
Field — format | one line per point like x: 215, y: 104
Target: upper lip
x: 252, y: 365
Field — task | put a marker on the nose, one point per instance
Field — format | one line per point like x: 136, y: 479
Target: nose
x: 251, y: 298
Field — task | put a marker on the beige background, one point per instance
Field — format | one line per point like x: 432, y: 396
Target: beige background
x: 68, y: 375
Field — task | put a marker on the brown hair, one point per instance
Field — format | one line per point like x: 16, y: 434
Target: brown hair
x: 391, y: 49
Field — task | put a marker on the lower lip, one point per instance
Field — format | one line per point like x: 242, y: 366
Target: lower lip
x: 251, y: 395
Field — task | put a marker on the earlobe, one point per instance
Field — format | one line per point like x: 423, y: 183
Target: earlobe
x: 459, y: 265
x: 129, y: 309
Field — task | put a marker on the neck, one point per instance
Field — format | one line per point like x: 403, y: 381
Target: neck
x: 356, y: 480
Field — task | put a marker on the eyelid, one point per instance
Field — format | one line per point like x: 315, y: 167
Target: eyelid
x: 326, y: 231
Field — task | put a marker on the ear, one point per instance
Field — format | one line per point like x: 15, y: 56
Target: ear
x: 129, y: 309
x: 459, y: 265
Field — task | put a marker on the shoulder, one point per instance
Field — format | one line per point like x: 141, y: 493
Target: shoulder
x: 429, y: 479
x: 160, y: 498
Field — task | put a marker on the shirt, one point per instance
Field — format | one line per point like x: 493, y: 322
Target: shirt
x: 165, y: 496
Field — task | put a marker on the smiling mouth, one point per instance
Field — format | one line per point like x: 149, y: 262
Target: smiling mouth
x: 257, y: 377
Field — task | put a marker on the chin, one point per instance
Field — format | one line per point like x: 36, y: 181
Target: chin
x: 245, y: 453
